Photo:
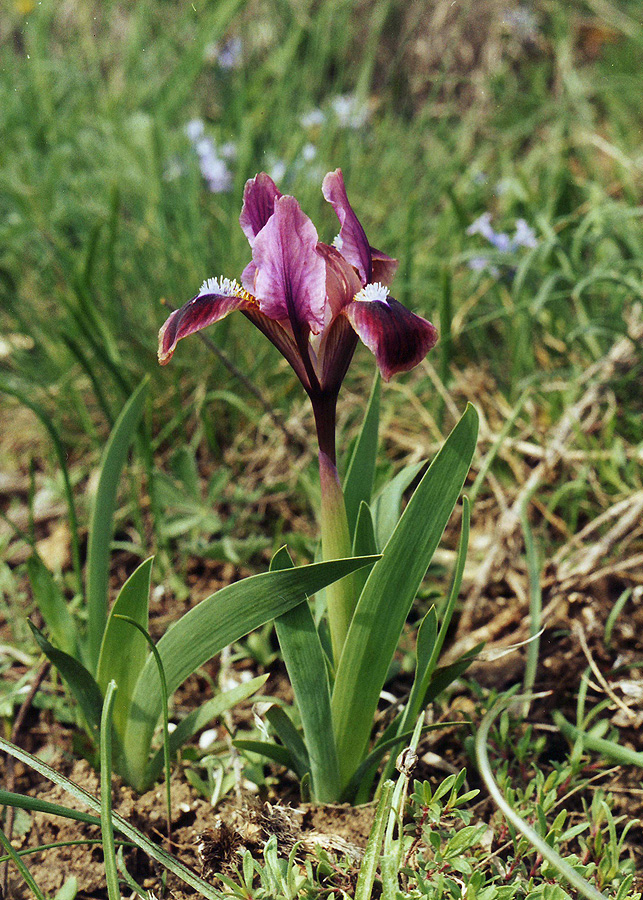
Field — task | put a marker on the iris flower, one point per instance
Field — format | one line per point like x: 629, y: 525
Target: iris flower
x: 314, y: 301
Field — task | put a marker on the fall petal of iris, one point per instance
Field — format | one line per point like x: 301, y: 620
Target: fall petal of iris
x: 397, y: 337
x: 198, y: 313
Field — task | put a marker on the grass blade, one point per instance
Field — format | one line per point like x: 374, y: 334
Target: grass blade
x: 102, y: 519
x: 107, y: 831
x: 577, y: 881
x: 609, y: 749
x: 389, y: 592
x: 27, y: 877
x: 121, y: 825
x: 371, y: 858
x: 33, y: 804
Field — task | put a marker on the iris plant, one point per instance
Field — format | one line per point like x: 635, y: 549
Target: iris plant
x: 315, y: 301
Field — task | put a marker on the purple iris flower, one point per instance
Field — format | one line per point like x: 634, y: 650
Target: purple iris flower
x: 314, y: 301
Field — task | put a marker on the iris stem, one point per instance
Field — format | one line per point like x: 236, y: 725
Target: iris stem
x: 340, y: 596
x: 325, y: 411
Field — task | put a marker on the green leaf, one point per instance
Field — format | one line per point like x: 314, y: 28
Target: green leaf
x: 52, y: 605
x: 424, y: 647
x: 360, y: 474
x: 199, y: 718
x: 364, y: 543
x: 305, y: 663
x: 390, y: 590
x: 80, y: 682
x: 274, y: 752
x: 124, y: 649
x: 33, y: 804
x: 290, y: 738
x: 102, y: 518
x: 443, y: 676
x: 430, y: 641
x: 386, y: 506
x: 205, y: 630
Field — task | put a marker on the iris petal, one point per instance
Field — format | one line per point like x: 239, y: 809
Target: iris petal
x: 397, y: 337
x: 384, y: 267
x: 198, y: 313
x: 259, y: 197
x: 290, y: 278
x: 352, y: 243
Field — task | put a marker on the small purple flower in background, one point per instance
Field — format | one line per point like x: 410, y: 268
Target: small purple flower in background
x: 212, y: 163
x: 278, y: 169
x: 350, y: 111
x: 483, y: 264
x: 482, y: 225
x: 315, y: 118
x: 523, y: 23
x: 230, y: 55
x: 525, y: 235
x: 228, y: 150
x: 195, y: 129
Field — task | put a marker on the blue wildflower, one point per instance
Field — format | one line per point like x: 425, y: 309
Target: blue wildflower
x: 525, y: 235
x: 350, y: 111
x: 314, y: 118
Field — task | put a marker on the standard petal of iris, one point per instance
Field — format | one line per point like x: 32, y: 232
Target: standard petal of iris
x: 352, y: 242
x: 397, y: 337
x: 290, y: 278
x: 342, y: 281
x: 384, y: 267
x: 259, y: 197
x: 198, y: 313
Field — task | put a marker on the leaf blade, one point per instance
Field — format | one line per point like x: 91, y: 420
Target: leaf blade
x: 377, y: 622
x: 124, y: 649
x: 103, y: 509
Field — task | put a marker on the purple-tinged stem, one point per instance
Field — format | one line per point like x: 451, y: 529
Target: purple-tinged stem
x: 325, y: 409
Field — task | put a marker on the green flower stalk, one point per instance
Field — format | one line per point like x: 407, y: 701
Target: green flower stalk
x: 341, y: 597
